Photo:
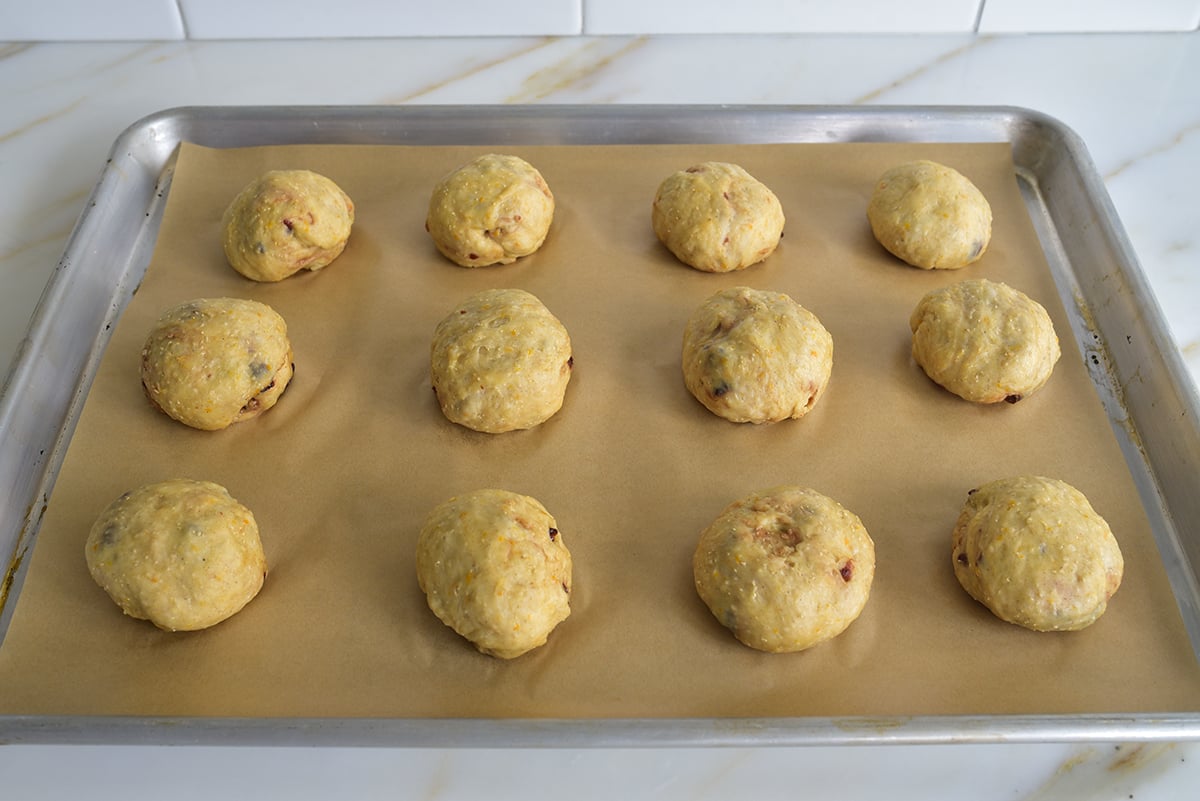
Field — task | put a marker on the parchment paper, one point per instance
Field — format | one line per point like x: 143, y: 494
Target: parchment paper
x: 342, y: 472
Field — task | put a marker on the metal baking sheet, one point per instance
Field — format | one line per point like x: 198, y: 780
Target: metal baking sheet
x: 1116, y: 325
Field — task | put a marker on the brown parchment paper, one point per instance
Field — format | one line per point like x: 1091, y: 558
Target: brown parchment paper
x: 342, y: 472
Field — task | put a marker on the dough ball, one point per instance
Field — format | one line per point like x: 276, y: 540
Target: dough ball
x: 286, y: 221
x: 1034, y: 552
x: 755, y: 356
x: 930, y: 216
x: 717, y: 217
x: 984, y: 341
x: 500, y: 362
x: 182, y: 554
x: 494, y: 567
x: 785, y: 569
x: 492, y: 210
x: 212, y: 362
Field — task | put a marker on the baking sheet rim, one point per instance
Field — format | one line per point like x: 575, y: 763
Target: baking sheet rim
x: 148, y: 134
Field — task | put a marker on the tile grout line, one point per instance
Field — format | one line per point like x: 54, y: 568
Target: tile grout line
x: 183, y: 19
x: 978, y: 15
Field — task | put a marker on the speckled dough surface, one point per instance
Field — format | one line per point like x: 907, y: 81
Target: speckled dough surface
x: 984, y: 341
x: 756, y: 356
x: 491, y: 210
x: 212, y: 362
x: 930, y: 216
x: 182, y: 554
x: 286, y: 221
x: 785, y: 569
x: 494, y: 567
x: 1034, y: 551
x: 500, y: 361
x: 717, y: 217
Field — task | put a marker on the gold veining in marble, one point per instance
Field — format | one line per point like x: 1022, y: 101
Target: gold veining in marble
x: 61, y: 112
x: 58, y: 237
x: 570, y: 72
x: 471, y: 71
x: 67, y: 204
x: 941, y: 60
x: 127, y: 56
x: 13, y: 49
x: 1109, y: 772
x: 1154, y: 151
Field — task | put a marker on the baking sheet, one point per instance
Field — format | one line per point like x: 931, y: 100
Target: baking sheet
x: 341, y: 473
x: 353, y: 660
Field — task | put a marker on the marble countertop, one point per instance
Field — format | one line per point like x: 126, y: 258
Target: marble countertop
x: 1133, y: 98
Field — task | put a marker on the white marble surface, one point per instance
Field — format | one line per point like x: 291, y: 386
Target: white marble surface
x: 1133, y: 98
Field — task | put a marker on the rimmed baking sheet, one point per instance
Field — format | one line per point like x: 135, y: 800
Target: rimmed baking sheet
x: 342, y: 471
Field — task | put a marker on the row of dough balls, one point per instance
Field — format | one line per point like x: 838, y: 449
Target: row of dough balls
x: 713, y: 216
x: 783, y: 569
x: 492, y: 210
x: 501, y: 361
x: 788, y: 568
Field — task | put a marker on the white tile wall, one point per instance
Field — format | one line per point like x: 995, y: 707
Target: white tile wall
x: 78, y: 20
x: 1045, y: 16
x: 779, y: 16
x: 298, y: 19
x: 37, y: 20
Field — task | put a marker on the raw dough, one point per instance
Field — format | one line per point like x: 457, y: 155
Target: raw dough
x: 984, y: 341
x: 500, y: 361
x: 182, y: 554
x: 1034, y: 552
x: 212, y: 362
x: 492, y: 210
x: 756, y: 356
x: 930, y: 216
x: 494, y: 567
x: 717, y: 217
x: 285, y: 221
x: 785, y: 569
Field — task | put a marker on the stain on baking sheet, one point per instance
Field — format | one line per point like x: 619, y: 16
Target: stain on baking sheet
x: 24, y: 542
x: 10, y: 576
x: 879, y: 726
